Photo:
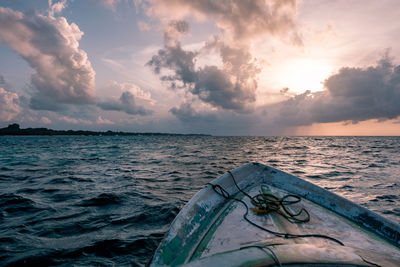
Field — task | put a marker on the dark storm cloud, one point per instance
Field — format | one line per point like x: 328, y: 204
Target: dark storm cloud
x: 213, y: 121
x: 126, y: 103
x: 174, y: 57
x: 231, y: 87
x: 42, y: 102
x: 50, y: 45
x: 187, y: 114
x: 353, y: 94
x: 178, y: 60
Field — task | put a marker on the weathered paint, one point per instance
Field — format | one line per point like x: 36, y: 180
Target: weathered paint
x: 211, y: 230
x: 209, y: 235
x: 338, y: 204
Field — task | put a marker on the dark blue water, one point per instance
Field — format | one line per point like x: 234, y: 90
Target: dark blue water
x: 72, y: 200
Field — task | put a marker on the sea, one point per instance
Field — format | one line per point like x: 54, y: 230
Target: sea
x: 109, y: 200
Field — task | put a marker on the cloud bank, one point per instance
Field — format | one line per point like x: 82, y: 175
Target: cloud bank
x: 352, y: 94
x: 50, y: 45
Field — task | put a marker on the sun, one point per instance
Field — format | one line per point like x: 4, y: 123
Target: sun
x: 303, y: 74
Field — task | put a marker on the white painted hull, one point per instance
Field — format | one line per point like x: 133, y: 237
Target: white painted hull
x: 211, y: 230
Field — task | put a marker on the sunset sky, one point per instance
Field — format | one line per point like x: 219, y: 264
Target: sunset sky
x: 249, y: 67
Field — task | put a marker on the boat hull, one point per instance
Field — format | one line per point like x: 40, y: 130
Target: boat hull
x: 211, y: 229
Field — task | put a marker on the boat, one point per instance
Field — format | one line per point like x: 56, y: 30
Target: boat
x: 227, y: 223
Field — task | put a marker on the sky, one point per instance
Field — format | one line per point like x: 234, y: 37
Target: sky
x: 249, y: 67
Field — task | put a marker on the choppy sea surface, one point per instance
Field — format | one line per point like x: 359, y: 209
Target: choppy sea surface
x: 84, y: 200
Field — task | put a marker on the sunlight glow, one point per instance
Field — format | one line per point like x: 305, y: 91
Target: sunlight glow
x: 301, y: 75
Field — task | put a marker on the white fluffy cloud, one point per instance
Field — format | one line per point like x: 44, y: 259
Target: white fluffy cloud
x: 9, y: 105
x: 50, y: 45
x: 56, y: 7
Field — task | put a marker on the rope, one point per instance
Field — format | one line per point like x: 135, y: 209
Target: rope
x: 283, y: 202
x: 266, y: 203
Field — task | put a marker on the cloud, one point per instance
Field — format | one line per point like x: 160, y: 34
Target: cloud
x: 231, y: 87
x: 125, y: 103
x: 57, y: 7
x: 45, y: 120
x: 110, y: 3
x: 143, y: 26
x: 186, y: 113
x: 74, y: 120
x: 232, y: 84
x: 101, y: 120
x: 238, y: 20
x: 352, y: 94
x: 200, y: 120
x: 43, y: 102
x: 5, y: 85
x: 10, y: 106
x: 50, y: 45
x: 174, y: 57
x: 132, y: 100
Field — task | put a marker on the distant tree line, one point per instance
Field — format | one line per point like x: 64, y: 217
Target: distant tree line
x: 14, y: 129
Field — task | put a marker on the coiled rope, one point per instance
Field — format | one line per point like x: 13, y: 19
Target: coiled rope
x: 266, y: 203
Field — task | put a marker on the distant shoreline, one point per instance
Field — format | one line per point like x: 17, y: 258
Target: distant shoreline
x: 15, y: 130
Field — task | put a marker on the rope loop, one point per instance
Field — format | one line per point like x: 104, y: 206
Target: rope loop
x: 220, y: 190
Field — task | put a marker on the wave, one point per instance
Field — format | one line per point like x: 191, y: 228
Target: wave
x: 104, y: 199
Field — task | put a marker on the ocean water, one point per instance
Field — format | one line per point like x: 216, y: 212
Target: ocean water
x: 82, y: 200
